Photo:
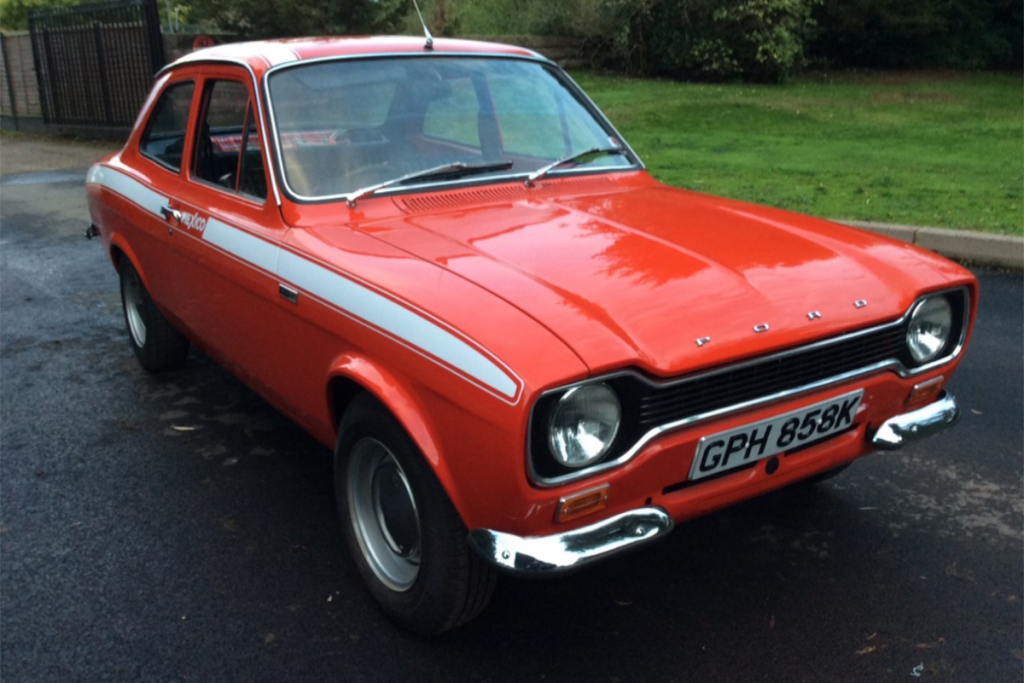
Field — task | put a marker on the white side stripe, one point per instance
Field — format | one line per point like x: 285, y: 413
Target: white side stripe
x: 397, y: 320
x: 259, y: 253
x: 127, y: 187
x: 349, y: 296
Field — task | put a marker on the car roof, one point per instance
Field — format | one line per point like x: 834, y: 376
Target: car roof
x: 262, y: 55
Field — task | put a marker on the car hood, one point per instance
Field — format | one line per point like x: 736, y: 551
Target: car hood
x: 663, y: 279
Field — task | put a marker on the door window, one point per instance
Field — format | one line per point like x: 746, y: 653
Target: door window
x: 227, y: 152
x: 163, y: 140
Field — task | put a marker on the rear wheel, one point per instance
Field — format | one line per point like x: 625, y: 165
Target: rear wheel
x: 403, y: 532
x: 156, y: 343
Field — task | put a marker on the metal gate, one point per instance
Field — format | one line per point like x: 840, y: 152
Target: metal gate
x: 95, y: 62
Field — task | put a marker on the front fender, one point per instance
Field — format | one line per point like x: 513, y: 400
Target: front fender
x: 401, y: 401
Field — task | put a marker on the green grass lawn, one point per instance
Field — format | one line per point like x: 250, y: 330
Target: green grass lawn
x: 941, y: 150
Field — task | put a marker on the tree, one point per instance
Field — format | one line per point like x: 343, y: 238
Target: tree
x: 14, y: 13
x: 281, y: 18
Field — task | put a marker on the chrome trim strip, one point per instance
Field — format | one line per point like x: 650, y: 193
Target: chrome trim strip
x: 908, y: 428
x: 893, y: 364
x: 533, y: 556
x: 638, y: 164
x: 603, y: 119
x: 264, y: 139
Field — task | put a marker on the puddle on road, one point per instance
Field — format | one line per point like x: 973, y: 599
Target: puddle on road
x: 44, y: 178
x: 959, y: 503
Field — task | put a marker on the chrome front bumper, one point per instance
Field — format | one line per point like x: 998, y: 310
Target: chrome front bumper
x: 560, y: 553
x: 902, y: 430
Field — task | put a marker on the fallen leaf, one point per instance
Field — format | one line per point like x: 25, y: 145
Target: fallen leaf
x: 183, y: 428
x: 1012, y: 599
x: 1019, y: 654
x: 771, y: 622
x: 977, y: 412
x: 230, y: 524
x: 957, y: 573
x: 866, y: 650
x: 930, y: 646
x: 269, y: 638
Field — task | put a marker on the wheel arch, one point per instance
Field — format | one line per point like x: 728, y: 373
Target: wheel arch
x: 352, y: 375
x: 121, y: 250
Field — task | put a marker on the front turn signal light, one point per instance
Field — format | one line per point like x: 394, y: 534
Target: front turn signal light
x: 926, y: 392
x: 580, y: 504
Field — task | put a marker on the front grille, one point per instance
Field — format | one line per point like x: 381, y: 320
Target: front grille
x: 729, y: 387
x: 650, y: 408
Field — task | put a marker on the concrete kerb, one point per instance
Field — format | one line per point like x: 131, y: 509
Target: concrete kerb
x: 1003, y: 251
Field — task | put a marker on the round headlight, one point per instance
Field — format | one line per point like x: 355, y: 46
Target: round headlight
x: 584, y: 425
x: 931, y: 322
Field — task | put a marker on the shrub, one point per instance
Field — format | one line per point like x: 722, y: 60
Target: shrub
x: 275, y: 18
x: 920, y: 33
x: 758, y: 40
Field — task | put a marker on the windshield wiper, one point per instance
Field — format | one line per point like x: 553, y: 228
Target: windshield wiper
x: 578, y: 156
x: 457, y: 169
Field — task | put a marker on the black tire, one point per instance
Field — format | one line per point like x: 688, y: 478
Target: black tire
x: 156, y: 344
x: 413, y: 555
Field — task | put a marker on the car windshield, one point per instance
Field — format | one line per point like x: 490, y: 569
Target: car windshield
x: 346, y: 125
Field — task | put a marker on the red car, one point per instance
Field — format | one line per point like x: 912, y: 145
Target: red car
x: 443, y: 262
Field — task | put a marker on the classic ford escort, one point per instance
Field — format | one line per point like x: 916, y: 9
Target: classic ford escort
x: 441, y: 260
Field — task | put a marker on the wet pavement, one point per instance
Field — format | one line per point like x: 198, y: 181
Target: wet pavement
x: 177, y: 528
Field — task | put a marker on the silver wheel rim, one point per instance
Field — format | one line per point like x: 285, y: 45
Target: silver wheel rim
x: 383, y: 512
x: 132, y: 305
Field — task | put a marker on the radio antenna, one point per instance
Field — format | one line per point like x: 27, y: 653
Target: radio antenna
x: 429, y: 45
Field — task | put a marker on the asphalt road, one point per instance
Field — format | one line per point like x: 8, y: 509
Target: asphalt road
x: 178, y: 529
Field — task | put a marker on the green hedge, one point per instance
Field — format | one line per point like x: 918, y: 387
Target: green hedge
x: 755, y: 40
x: 919, y: 33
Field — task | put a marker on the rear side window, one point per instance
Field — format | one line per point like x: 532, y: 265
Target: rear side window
x: 227, y: 152
x: 164, y: 138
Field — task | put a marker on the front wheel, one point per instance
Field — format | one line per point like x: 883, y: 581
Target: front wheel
x: 156, y: 343
x: 403, y: 532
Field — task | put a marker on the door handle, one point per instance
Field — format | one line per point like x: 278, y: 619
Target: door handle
x: 168, y: 214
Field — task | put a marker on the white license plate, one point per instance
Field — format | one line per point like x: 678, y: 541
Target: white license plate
x: 741, y: 446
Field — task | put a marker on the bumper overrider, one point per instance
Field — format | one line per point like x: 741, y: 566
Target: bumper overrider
x: 535, y: 556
